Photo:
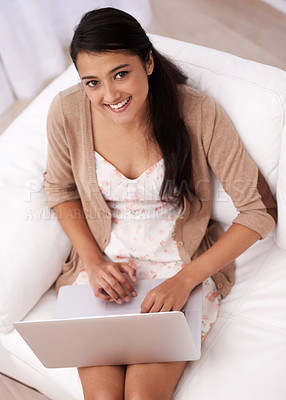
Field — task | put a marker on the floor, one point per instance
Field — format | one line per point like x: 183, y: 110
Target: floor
x: 13, y: 390
x: 250, y: 29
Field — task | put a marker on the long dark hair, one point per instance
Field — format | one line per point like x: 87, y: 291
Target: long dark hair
x: 109, y: 29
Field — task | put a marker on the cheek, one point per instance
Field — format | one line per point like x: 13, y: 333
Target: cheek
x: 93, y: 97
x: 141, y: 85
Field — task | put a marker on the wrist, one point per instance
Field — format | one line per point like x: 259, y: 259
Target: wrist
x: 193, y: 274
x: 92, y: 259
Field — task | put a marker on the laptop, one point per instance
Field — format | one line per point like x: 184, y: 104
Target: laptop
x: 87, y: 331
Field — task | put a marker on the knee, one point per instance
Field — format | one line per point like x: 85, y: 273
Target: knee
x: 102, y: 396
x: 144, y: 395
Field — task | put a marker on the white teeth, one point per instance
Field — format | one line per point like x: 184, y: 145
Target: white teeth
x: 119, y: 105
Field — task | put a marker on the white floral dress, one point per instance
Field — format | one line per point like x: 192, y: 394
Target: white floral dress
x: 143, y: 230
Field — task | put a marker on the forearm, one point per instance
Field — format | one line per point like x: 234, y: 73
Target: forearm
x: 234, y: 242
x: 71, y: 217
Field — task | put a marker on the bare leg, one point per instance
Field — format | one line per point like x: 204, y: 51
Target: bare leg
x: 155, y: 381
x: 103, y: 383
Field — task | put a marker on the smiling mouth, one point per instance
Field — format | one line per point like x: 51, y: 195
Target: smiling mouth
x: 120, y: 105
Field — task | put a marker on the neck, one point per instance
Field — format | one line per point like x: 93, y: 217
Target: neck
x: 137, y: 128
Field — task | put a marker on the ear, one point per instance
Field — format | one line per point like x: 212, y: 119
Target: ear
x: 150, y: 63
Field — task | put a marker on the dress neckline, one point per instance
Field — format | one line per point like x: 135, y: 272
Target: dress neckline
x: 150, y: 169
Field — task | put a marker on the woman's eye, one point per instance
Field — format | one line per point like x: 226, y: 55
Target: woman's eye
x: 92, y: 84
x: 121, y: 74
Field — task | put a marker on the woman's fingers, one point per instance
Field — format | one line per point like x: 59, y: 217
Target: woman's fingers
x: 114, y: 289
x: 170, y: 295
x: 111, y: 283
x: 123, y: 279
x: 156, y: 305
x: 152, y: 305
x: 129, y: 270
x: 120, y: 282
x: 157, y: 299
x: 147, y: 303
x: 167, y: 307
x: 98, y: 293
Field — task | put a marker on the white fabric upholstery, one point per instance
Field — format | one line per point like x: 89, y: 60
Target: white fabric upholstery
x: 34, y: 245
x: 244, y: 356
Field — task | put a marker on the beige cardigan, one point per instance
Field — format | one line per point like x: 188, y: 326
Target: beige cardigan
x: 71, y: 174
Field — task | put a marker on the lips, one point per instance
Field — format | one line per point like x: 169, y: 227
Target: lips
x: 119, y: 106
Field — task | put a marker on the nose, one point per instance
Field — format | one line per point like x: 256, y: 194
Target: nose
x: 111, y: 93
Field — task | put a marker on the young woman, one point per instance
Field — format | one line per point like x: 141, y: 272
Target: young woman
x: 128, y: 177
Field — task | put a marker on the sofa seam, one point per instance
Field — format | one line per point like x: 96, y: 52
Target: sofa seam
x: 260, y: 324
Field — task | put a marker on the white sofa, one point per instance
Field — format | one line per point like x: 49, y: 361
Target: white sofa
x: 244, y: 355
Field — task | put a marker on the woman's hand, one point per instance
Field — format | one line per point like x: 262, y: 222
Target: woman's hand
x: 108, y: 281
x: 170, y: 295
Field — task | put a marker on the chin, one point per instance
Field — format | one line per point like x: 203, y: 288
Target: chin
x: 122, y: 119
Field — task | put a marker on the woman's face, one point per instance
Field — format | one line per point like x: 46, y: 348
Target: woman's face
x: 116, y: 84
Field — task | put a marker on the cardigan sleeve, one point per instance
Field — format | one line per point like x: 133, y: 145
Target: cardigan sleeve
x: 59, y: 183
x: 237, y: 172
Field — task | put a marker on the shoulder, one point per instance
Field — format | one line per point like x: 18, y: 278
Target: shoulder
x: 72, y: 92
x: 198, y: 108
x: 67, y: 101
x: 195, y: 103
x: 199, y: 112
x: 205, y: 118
x: 65, y: 112
x: 189, y: 93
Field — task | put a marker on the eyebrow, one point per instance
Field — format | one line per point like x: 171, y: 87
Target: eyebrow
x: 110, y: 72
